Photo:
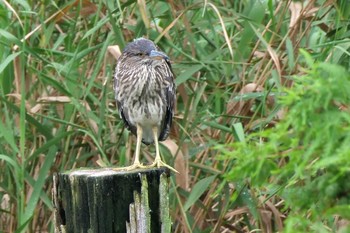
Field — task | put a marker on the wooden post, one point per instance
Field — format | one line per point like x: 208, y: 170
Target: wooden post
x: 105, y: 201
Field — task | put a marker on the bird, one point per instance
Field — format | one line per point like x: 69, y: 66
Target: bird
x: 145, y: 94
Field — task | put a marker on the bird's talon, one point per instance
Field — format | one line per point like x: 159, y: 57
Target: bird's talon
x: 131, y: 167
x: 160, y: 163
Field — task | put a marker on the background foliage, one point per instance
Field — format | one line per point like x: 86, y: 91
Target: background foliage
x: 261, y: 131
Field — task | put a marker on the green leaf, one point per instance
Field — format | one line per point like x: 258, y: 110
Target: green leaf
x: 8, y: 36
x: 342, y: 210
x: 96, y: 27
x: 308, y: 58
x: 246, y: 198
x: 239, y: 132
x: 39, y: 126
x: 10, y: 161
x: 290, y: 54
x: 197, y: 190
x: 40, y: 182
x: 8, y: 136
x: 8, y: 60
x: 215, y: 125
x: 187, y: 73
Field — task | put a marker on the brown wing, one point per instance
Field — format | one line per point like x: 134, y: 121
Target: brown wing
x: 118, y: 87
x: 170, y: 102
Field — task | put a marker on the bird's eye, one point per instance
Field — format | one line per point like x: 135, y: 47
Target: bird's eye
x: 140, y: 54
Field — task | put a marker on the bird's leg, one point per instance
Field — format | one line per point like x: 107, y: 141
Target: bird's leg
x: 138, y: 146
x: 158, y: 161
x: 136, y: 163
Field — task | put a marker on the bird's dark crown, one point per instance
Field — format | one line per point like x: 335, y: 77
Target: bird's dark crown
x: 140, y: 46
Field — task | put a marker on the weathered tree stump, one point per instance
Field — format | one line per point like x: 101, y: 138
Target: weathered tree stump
x: 106, y: 201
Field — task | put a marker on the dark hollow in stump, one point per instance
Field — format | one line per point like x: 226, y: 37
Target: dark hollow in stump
x: 105, y: 201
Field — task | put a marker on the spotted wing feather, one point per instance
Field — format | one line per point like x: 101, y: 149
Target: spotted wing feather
x: 170, y: 100
x: 123, y: 113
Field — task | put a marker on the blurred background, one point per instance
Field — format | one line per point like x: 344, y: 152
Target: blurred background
x: 250, y: 108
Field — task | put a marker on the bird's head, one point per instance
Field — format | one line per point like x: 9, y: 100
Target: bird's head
x: 144, y: 51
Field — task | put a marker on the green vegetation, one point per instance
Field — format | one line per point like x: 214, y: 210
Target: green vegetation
x: 261, y: 131
x: 304, y: 160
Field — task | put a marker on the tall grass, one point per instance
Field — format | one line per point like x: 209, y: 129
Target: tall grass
x: 232, y: 60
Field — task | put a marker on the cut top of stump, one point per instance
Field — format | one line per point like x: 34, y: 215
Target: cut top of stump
x: 91, y: 172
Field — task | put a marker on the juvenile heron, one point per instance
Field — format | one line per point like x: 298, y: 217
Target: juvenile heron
x: 145, y: 94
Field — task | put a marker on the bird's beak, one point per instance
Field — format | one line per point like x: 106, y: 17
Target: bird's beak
x: 158, y: 55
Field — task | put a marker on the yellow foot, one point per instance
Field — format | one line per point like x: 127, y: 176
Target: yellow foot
x: 159, y: 163
x: 131, y: 167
